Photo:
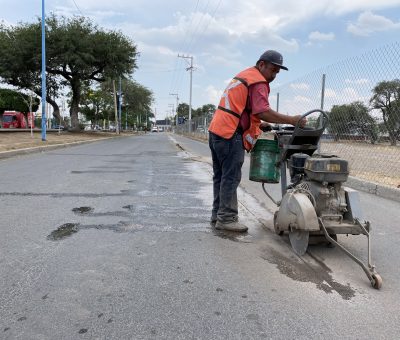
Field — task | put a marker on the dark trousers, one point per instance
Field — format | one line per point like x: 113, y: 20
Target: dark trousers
x: 227, y: 157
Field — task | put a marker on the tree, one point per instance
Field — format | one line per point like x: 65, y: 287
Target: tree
x: 386, y: 98
x: 137, y: 101
x: 16, y: 101
x: 183, y: 110
x: 78, y: 53
x: 20, y: 63
x: 205, y: 111
x: 352, y: 119
x: 96, y: 105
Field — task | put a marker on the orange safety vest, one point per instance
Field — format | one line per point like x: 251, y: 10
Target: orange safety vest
x: 233, y: 102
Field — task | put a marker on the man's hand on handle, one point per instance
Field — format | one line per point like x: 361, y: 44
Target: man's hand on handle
x: 302, y: 121
x: 264, y: 126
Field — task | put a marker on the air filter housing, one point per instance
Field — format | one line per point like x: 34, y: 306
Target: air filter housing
x: 326, y: 168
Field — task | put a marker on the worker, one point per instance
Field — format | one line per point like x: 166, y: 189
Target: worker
x: 237, y: 122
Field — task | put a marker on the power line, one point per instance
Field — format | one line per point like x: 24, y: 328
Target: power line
x: 77, y: 7
x: 177, y: 77
x: 209, y: 21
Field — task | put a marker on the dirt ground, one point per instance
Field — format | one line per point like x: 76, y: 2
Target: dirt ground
x: 373, y: 163
x: 376, y: 163
x: 21, y: 140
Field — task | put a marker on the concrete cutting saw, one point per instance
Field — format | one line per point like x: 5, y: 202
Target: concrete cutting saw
x: 316, y: 202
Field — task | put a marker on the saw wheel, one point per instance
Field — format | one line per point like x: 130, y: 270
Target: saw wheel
x: 299, y: 241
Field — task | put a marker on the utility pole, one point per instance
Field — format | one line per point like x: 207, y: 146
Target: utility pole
x: 190, y: 68
x: 177, y: 101
x: 321, y: 123
x: 172, y: 106
x: 277, y: 102
x: 323, y: 91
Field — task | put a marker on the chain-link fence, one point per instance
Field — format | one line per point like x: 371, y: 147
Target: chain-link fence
x: 361, y: 96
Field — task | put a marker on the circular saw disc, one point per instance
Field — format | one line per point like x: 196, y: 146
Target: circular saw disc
x: 299, y: 241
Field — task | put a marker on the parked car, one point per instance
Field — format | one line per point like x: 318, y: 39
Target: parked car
x: 154, y: 129
x: 59, y: 127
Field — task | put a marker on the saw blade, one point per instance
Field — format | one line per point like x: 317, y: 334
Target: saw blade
x: 299, y: 241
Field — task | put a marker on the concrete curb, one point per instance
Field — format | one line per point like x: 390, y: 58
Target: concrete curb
x: 374, y: 188
x: 358, y: 184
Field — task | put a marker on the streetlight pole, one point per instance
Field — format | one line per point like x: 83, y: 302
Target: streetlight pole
x: 190, y: 68
x: 115, y: 109
x: 177, y: 101
x: 43, y: 74
x: 120, y: 104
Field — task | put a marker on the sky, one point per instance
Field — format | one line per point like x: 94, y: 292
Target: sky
x: 224, y: 37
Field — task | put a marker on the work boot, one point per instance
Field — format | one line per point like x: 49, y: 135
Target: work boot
x: 231, y: 226
x: 213, y: 221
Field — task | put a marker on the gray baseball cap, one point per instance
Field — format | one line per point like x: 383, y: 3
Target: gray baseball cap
x: 273, y: 57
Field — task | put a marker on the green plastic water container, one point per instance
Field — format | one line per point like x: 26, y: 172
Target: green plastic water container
x: 263, y: 161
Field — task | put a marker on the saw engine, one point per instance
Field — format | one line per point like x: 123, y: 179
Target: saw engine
x: 320, y: 178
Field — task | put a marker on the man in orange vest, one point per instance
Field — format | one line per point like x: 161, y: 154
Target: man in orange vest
x: 235, y: 126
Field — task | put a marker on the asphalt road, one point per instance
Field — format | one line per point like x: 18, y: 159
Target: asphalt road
x: 110, y: 240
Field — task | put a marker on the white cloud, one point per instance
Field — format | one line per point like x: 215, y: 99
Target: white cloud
x: 330, y: 93
x: 362, y: 81
x: 343, y: 96
x: 302, y: 100
x: 368, y: 23
x: 213, y: 94
x: 300, y: 86
x: 318, y: 36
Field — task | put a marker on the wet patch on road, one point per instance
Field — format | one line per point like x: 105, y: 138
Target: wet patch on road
x: 62, y: 195
x: 233, y: 236
x: 101, y: 171
x: 299, y: 270
x: 63, y: 231
x: 68, y: 229
x: 82, y: 210
x: 88, y: 211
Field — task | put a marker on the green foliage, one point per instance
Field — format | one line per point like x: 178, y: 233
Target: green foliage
x: 352, y: 119
x: 98, y: 104
x: 20, y: 61
x: 16, y: 101
x: 204, y: 111
x: 386, y: 98
x: 78, y: 53
x: 183, y: 110
x: 137, y: 101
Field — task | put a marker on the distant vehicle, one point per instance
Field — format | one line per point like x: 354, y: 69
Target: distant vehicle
x: 59, y: 127
x: 17, y: 120
x: 154, y: 129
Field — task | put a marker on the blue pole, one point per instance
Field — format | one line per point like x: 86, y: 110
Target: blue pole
x: 43, y: 74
